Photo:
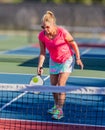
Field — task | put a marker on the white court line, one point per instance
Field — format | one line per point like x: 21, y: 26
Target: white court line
x: 85, y: 51
x: 46, y: 75
x: 16, y: 49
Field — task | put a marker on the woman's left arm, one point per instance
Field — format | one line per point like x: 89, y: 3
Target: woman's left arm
x: 74, y: 45
x: 77, y: 53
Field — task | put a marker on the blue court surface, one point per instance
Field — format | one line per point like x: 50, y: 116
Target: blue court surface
x: 85, y: 110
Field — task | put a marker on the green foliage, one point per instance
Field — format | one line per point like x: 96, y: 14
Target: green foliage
x: 18, y: 1
x: 11, y: 1
x: 87, y: 2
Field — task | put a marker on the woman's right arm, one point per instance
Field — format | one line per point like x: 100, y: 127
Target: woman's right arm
x: 41, y: 58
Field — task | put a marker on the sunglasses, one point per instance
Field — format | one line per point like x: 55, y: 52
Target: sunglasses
x: 44, y: 27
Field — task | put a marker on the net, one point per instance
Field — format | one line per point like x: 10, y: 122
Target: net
x: 21, y: 109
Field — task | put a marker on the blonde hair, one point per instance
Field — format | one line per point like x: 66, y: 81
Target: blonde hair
x: 49, y: 17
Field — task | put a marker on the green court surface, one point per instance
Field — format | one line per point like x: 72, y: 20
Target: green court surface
x: 15, y: 67
x: 11, y: 42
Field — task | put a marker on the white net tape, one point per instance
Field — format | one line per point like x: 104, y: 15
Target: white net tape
x: 57, y: 89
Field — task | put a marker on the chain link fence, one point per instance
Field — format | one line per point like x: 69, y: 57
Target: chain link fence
x: 22, y: 16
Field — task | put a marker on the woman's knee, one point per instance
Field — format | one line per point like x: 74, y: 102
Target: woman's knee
x: 63, y: 79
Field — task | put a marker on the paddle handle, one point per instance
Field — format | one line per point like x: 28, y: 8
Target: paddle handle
x: 39, y: 71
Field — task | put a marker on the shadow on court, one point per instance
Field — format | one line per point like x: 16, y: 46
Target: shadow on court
x: 89, y: 63
x: 34, y: 62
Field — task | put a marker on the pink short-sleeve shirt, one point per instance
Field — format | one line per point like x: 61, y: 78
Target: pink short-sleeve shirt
x: 59, y: 49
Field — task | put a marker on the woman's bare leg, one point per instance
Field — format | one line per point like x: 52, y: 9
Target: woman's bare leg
x: 59, y: 80
x: 62, y: 82
x: 54, y: 81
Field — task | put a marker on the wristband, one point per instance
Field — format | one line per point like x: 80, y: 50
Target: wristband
x: 71, y: 41
x: 41, y: 67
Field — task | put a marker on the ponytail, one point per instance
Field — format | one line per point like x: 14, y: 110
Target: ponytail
x: 48, y: 17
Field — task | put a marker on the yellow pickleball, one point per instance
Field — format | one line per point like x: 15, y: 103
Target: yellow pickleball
x: 35, y: 79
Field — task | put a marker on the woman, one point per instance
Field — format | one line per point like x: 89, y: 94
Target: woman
x: 61, y: 47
